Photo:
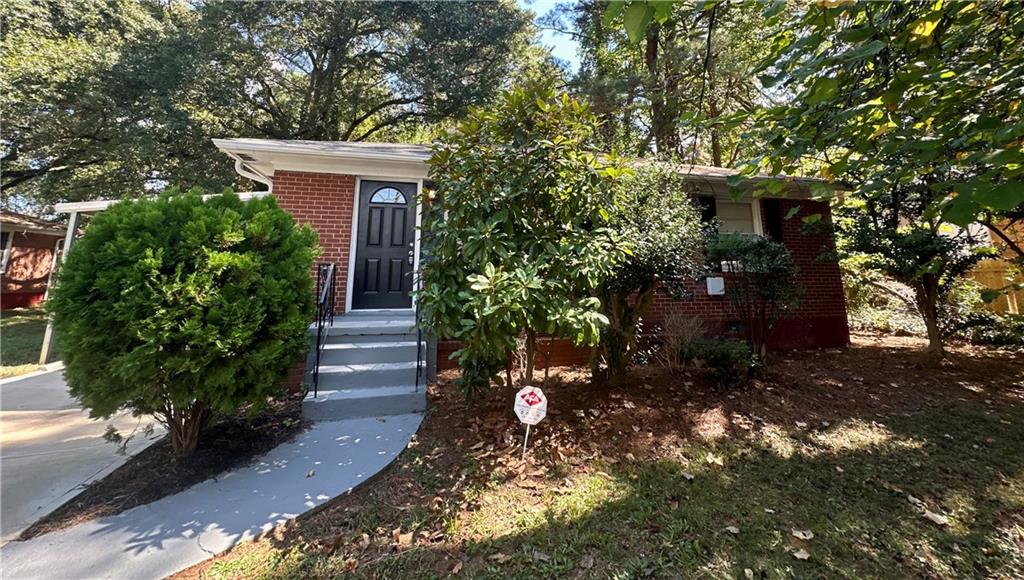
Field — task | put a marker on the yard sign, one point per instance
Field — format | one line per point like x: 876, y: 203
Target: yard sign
x: 530, y: 406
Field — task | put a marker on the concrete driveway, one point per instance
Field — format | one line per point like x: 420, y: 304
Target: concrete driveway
x: 50, y: 448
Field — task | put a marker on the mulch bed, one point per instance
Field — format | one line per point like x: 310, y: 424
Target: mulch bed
x: 646, y: 417
x: 154, y: 473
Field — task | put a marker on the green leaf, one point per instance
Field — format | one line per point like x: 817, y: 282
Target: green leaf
x: 638, y: 16
x: 822, y: 90
x: 613, y: 9
x: 792, y: 212
x: 662, y: 11
x: 870, y: 49
x: 1001, y: 198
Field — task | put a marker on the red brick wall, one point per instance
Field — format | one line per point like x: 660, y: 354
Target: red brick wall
x: 819, y: 320
x: 325, y: 202
x: 28, y: 269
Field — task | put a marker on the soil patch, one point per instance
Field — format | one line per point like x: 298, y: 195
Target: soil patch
x: 154, y: 473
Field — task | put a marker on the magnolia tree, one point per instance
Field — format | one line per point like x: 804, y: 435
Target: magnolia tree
x: 656, y: 219
x: 180, y: 308
x: 518, y: 233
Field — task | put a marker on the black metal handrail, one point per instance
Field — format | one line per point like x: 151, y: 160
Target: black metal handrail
x: 324, y: 314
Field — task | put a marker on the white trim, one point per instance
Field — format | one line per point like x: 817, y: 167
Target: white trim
x: 353, y: 235
x: 755, y: 212
x: 99, y: 205
x: 350, y: 283
x: 6, y: 252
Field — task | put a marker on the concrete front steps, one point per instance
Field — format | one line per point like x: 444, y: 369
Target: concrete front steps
x: 368, y: 369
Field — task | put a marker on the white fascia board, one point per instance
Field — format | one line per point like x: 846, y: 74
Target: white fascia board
x: 271, y: 157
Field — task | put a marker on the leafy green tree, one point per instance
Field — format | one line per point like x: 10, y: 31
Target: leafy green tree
x: 656, y: 219
x: 760, y: 283
x: 895, y: 235
x: 670, y: 77
x: 915, y: 106
x: 182, y: 308
x: 518, y: 235
x: 114, y: 98
x: 92, y: 107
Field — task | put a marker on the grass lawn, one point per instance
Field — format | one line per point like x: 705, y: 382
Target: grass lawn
x: 21, y: 338
x: 866, y: 462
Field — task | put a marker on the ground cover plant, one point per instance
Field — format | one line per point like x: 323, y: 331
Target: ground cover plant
x: 181, y: 308
x: 874, y: 461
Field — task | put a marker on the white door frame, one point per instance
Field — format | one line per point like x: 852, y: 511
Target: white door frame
x: 350, y: 282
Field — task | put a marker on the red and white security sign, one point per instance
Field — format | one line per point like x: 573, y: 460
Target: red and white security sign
x: 531, y: 405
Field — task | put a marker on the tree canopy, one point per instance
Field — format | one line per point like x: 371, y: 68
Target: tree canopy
x: 116, y: 97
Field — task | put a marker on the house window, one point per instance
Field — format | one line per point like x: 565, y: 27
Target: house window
x: 5, y: 245
x: 388, y: 195
x: 772, y: 218
x: 734, y: 217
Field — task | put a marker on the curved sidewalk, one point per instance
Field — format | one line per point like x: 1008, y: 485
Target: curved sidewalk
x: 166, y: 536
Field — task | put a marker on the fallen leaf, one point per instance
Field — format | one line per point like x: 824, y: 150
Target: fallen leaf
x: 914, y: 500
x: 587, y: 562
x: 748, y: 574
x: 457, y: 568
x: 688, y: 476
x: 499, y: 558
x: 715, y: 459
x: 803, y: 534
x: 477, y: 446
x: 801, y: 554
x: 732, y: 530
x: 801, y: 425
x: 630, y: 457
x: 351, y: 564
x: 936, y: 518
x: 541, y: 556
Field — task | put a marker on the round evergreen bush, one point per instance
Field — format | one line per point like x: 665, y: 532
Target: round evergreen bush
x: 182, y: 308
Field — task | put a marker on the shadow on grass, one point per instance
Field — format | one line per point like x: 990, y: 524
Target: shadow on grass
x: 862, y: 488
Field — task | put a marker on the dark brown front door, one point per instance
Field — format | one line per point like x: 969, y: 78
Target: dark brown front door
x: 384, y: 245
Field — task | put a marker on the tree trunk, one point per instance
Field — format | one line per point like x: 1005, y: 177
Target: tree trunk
x: 185, y: 426
x: 927, y: 292
x: 531, y: 354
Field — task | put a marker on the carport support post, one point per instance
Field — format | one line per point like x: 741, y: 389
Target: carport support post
x: 69, y: 239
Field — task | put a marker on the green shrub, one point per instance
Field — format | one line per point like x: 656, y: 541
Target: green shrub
x: 729, y: 361
x: 181, y: 308
x: 760, y: 283
x: 994, y: 329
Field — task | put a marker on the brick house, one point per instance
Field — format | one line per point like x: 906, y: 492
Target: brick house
x: 362, y: 200
x: 30, y: 246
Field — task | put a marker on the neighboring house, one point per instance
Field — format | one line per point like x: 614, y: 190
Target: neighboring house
x: 362, y: 200
x: 1000, y: 274
x: 30, y: 247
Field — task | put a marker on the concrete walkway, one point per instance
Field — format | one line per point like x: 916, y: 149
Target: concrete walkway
x: 171, y: 534
x: 50, y: 448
